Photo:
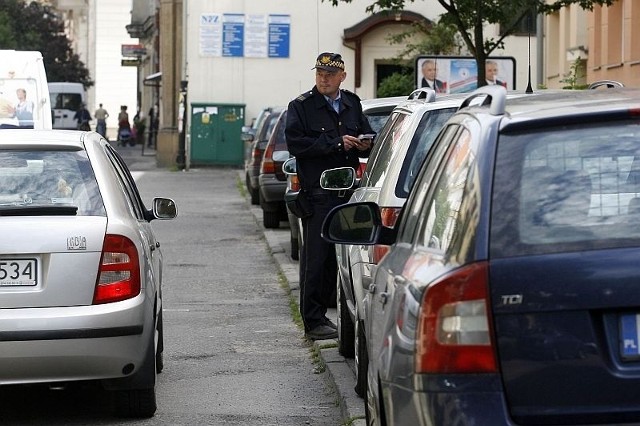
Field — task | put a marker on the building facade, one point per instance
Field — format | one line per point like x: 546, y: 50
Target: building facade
x: 257, y: 54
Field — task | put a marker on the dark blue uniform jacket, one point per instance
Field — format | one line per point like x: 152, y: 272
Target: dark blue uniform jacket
x: 314, y: 134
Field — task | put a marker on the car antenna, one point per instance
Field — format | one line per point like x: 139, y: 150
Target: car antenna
x: 529, y: 88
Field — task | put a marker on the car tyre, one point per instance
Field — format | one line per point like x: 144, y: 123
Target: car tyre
x: 136, y: 403
x: 271, y: 220
x: 346, y: 335
x: 295, y: 247
x: 135, y: 396
x: 361, y: 359
x: 254, y: 193
x: 160, y: 349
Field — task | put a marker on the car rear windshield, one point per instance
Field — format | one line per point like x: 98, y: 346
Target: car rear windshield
x: 48, y: 182
x: 567, y: 188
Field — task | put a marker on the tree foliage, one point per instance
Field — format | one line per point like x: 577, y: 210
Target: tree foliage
x: 471, y: 16
x: 397, y: 84
x: 33, y: 26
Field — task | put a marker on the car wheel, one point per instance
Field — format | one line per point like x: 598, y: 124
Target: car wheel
x: 255, y: 196
x: 160, y: 348
x: 295, y: 248
x: 346, y: 335
x: 136, y: 403
x: 271, y: 219
x: 361, y: 359
x: 138, y: 399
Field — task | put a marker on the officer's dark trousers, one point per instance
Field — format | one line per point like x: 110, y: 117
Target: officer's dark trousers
x: 318, y: 266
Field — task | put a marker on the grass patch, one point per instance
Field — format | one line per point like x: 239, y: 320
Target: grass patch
x: 241, y: 188
x: 350, y: 420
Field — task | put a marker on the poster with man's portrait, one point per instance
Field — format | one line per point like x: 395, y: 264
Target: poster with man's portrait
x: 459, y: 74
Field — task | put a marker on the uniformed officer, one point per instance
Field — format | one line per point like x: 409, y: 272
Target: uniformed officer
x: 322, y: 132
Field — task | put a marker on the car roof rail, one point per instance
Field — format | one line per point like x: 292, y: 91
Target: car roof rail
x: 429, y: 95
x: 609, y: 84
x: 494, y: 95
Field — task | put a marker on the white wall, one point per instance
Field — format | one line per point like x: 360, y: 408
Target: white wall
x: 115, y: 85
x: 316, y: 26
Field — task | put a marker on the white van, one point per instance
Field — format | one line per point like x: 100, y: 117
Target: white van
x: 24, y: 94
x: 66, y: 99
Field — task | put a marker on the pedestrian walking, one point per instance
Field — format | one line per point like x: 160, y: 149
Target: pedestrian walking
x: 83, y: 117
x: 101, y: 115
x: 322, y: 131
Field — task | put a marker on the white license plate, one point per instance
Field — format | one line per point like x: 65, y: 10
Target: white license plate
x: 18, y: 272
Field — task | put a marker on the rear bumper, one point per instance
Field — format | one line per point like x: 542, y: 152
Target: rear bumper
x: 41, y: 345
x: 447, y: 399
x: 272, y: 190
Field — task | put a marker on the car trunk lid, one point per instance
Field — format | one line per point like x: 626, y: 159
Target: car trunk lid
x: 48, y: 261
x: 559, y: 333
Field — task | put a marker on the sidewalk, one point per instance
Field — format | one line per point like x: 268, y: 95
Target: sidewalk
x: 340, y: 370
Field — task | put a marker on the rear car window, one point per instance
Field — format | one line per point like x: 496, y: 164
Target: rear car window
x: 48, y: 178
x: 567, y: 188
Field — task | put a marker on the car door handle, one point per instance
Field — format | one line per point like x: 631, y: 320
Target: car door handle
x: 154, y: 246
x: 384, y: 298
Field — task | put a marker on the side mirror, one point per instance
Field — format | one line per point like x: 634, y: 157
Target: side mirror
x: 338, y: 179
x: 164, y: 208
x: 353, y: 223
x: 290, y: 166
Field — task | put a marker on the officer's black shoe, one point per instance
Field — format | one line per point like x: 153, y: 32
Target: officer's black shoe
x: 330, y: 323
x: 322, y: 332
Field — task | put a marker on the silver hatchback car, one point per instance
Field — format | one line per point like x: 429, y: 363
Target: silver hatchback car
x: 80, y: 268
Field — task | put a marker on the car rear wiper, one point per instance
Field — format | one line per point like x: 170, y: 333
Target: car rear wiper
x: 38, y: 210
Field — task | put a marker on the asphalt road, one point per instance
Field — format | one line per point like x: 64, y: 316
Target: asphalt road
x: 233, y: 354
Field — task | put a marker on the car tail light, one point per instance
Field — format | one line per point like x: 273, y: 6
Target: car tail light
x: 361, y: 168
x: 256, y: 155
x: 389, y: 216
x: 119, y: 274
x: 453, y: 326
x: 295, y: 183
x: 268, y: 166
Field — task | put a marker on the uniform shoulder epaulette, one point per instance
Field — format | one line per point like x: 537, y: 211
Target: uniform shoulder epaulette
x: 348, y: 92
x: 305, y: 95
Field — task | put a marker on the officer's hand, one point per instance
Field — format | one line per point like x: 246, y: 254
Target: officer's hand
x: 349, y: 142
x: 364, y: 142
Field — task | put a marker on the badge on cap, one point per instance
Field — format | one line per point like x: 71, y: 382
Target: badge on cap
x: 329, y: 61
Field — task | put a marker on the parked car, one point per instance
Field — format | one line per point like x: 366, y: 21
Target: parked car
x: 509, y: 294
x: 400, y: 148
x: 377, y: 111
x: 259, y: 142
x: 80, y: 268
x: 272, y: 181
x: 248, y: 133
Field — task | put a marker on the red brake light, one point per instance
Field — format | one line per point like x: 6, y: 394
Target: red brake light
x: 389, y: 216
x: 295, y: 183
x: 454, y: 335
x: 268, y: 166
x: 119, y: 274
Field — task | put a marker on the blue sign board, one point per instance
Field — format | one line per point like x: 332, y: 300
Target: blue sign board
x: 279, y: 36
x: 233, y: 34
